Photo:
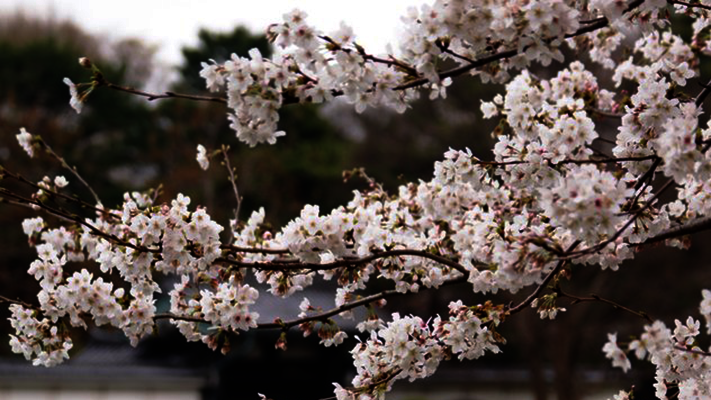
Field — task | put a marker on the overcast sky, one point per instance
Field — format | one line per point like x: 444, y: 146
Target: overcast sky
x: 172, y: 24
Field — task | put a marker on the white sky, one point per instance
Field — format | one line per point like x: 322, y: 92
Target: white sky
x: 172, y: 24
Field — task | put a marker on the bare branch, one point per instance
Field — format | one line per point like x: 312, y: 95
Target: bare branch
x: 73, y: 170
x: 72, y: 199
x: 594, y: 297
x: 164, y: 95
x: 233, y: 180
x: 4, y: 299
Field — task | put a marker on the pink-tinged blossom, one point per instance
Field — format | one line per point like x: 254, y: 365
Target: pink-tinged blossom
x: 25, y: 140
x: 613, y: 352
x: 202, y: 158
x: 60, y: 181
x: 212, y: 75
x: 76, y: 101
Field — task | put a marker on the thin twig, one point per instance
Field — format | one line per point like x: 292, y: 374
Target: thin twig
x: 164, y: 95
x: 457, y: 55
x: 594, y: 297
x: 73, y: 170
x: 392, y: 62
x: 627, y: 224
x: 51, y: 192
x: 74, y: 218
x: 4, y: 299
x: 30, y: 207
x: 233, y: 180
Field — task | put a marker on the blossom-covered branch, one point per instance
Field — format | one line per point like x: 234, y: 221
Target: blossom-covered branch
x: 548, y: 201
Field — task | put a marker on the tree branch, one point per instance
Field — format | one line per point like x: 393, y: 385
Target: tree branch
x: 164, y: 95
x: 689, y: 5
x: 591, y: 27
x: 594, y: 297
x: 4, y: 299
x: 233, y: 180
x: 543, y: 284
x: 294, y: 264
x: 695, y: 226
x: 73, y: 170
x: 284, y: 325
x: 5, y: 172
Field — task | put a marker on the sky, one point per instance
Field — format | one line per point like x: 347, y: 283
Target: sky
x: 175, y: 23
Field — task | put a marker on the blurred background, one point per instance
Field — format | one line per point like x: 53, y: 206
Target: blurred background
x: 124, y: 143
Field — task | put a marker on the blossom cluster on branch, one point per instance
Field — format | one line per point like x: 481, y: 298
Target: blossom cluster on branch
x: 551, y: 197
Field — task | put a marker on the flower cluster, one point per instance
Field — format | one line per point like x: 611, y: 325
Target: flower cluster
x: 409, y: 347
x: 38, y: 340
x: 227, y: 307
x: 587, y: 202
x: 677, y: 360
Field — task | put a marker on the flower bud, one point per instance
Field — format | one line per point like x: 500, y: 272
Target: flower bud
x: 85, y: 62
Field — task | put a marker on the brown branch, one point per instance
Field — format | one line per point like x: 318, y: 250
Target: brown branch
x: 456, y: 55
x: 390, y: 375
x: 703, y: 94
x: 695, y: 226
x: 76, y: 219
x: 694, y: 351
x: 164, y: 95
x: 567, y: 161
x: 461, y: 69
x: 591, y: 27
x: 594, y: 297
x: 392, y: 62
x: 610, y: 160
x: 233, y: 180
x: 31, y: 207
x: 238, y: 249
x: 689, y: 5
x: 292, y: 264
x: 284, y: 325
x: 627, y: 224
x: 4, y: 299
x: 76, y: 200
